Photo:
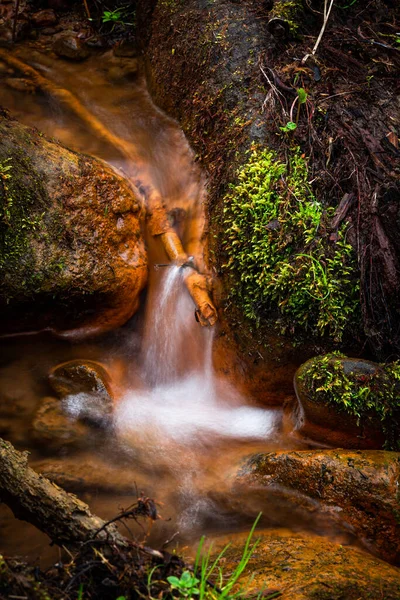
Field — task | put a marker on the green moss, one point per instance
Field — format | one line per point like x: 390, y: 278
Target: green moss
x: 279, y: 257
x: 371, y: 396
x: 290, y: 11
x: 22, y: 208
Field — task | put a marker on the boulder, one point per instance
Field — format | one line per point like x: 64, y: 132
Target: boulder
x: 347, y: 402
x: 72, y: 255
x: 53, y: 428
x: 71, y: 47
x: 85, y: 390
x: 295, y: 566
x: 357, y: 488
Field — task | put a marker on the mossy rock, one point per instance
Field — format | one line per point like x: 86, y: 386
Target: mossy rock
x: 347, y: 402
x: 52, y: 428
x: 72, y: 255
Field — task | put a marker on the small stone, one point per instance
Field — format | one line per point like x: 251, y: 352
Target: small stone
x: 51, y: 30
x: 44, y: 18
x: 51, y: 426
x: 85, y: 391
x: 96, y: 41
x: 20, y: 84
x: 70, y: 47
x: 126, y: 49
x: 126, y: 69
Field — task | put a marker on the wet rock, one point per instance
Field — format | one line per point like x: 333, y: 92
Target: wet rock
x: 85, y: 390
x: 126, y: 69
x: 96, y: 41
x: 347, y: 402
x: 5, y: 70
x: 308, y: 568
x: 126, y: 49
x: 88, y: 474
x: 360, y: 487
x: 44, y: 18
x: 53, y: 428
x: 50, y: 30
x: 64, y: 264
x: 70, y: 47
x: 20, y: 84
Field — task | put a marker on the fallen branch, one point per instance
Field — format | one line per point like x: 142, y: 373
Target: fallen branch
x: 33, y: 498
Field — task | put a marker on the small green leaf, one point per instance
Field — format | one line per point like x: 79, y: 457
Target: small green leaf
x: 302, y: 94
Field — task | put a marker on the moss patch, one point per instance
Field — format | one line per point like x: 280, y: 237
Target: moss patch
x: 373, y: 396
x: 279, y: 256
x: 290, y: 11
x: 22, y: 209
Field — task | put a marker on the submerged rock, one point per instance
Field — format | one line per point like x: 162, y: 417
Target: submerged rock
x: 347, y: 402
x: 52, y: 427
x: 358, y: 488
x: 89, y: 474
x: 296, y: 566
x: 65, y: 260
x: 70, y: 47
x: 44, y: 18
x: 85, y: 390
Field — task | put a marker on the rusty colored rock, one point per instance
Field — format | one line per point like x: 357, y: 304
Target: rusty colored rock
x: 85, y: 389
x: 71, y: 262
x: 305, y: 567
x: 362, y: 484
x: 88, y: 474
x: 53, y: 428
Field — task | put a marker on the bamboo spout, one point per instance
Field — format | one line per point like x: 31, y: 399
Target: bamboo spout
x: 199, y: 287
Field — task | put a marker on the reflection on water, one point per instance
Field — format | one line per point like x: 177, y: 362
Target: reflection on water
x: 180, y: 430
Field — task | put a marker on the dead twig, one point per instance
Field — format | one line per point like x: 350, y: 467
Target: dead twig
x: 14, y: 29
x: 327, y: 12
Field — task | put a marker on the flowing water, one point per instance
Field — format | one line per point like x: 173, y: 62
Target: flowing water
x: 181, y: 430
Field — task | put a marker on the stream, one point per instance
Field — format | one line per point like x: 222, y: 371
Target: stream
x: 181, y: 428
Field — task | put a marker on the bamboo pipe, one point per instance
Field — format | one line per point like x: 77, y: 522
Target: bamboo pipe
x: 198, y: 286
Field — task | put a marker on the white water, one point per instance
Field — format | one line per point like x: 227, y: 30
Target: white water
x: 184, y: 402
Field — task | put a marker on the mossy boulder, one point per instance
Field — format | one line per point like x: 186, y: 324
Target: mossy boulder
x: 356, y: 489
x: 72, y: 254
x: 296, y: 566
x: 347, y: 402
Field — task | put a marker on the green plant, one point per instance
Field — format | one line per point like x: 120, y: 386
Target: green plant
x: 206, y: 568
x: 119, y: 16
x: 367, y: 396
x: 278, y: 254
x: 290, y: 126
x: 207, y: 581
x: 185, y: 584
